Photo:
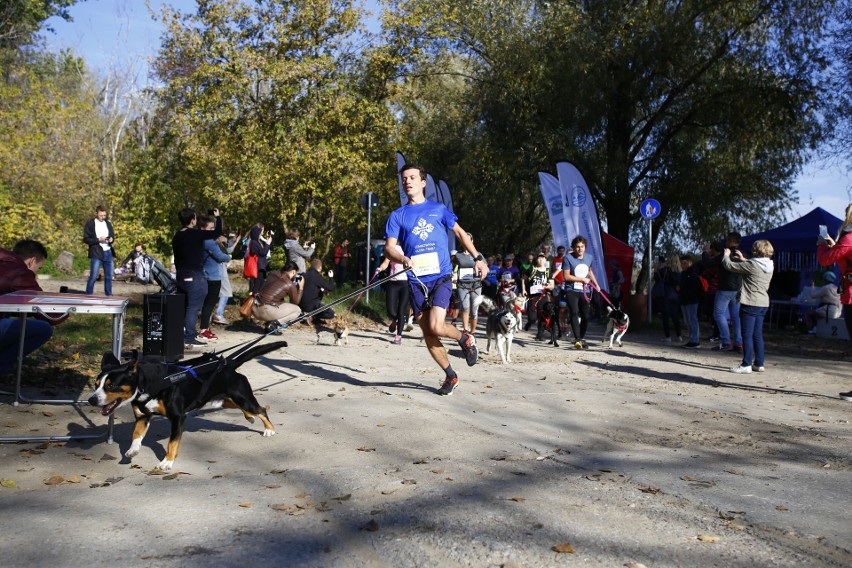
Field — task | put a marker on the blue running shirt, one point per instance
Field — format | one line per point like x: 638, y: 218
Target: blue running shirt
x: 421, y: 230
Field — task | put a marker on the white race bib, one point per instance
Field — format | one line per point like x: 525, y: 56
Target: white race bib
x: 426, y: 264
x: 536, y: 289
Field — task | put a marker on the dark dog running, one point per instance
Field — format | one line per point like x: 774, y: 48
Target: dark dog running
x: 547, y: 311
x: 174, y: 390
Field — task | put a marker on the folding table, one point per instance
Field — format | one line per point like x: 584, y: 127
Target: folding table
x: 54, y: 305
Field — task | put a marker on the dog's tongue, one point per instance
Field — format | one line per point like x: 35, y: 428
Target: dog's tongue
x: 106, y: 410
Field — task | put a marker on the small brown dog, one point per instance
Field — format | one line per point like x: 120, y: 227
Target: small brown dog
x: 337, y: 325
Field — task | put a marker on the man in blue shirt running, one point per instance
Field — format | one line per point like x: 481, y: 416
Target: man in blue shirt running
x: 420, y: 228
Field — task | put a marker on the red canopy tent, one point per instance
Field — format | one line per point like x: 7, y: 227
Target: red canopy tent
x: 622, y: 253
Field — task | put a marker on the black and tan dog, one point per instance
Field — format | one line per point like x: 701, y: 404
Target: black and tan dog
x: 547, y: 312
x: 173, y: 390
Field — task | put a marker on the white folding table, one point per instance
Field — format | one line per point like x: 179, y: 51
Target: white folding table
x: 54, y: 305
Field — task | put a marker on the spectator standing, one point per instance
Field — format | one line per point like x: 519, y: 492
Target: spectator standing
x: 226, y: 291
x: 420, y: 228
x: 469, y: 289
x: 689, y: 296
x: 726, y: 302
x: 259, y: 246
x: 296, y: 252
x: 341, y: 262
x: 214, y: 260
x: 99, y: 235
x: 839, y: 250
x: 18, y: 269
x: 753, y: 299
x: 668, y: 276
x: 189, y: 255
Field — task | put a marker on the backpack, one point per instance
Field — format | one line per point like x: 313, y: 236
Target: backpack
x: 161, y: 275
x: 143, y: 268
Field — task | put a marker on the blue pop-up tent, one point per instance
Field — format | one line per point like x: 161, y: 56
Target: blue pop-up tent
x: 795, y: 242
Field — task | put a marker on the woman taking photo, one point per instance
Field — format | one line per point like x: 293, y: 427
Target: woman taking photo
x: 839, y: 250
x: 753, y: 298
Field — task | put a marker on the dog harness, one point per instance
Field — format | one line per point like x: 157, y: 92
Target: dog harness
x: 157, y: 377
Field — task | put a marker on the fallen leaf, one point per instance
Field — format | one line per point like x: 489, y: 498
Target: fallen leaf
x: 171, y: 476
x: 651, y: 490
x: 366, y: 449
x: 726, y: 517
x: 107, y: 457
x: 246, y: 505
x: 47, y: 413
x: 371, y: 526
x: 74, y: 479
x: 280, y: 507
x: 735, y: 471
x: 593, y: 477
x: 688, y: 478
x: 346, y: 497
x: 8, y: 483
x: 409, y: 482
x: 55, y: 480
x: 735, y: 526
x: 323, y: 507
x: 156, y: 471
x: 708, y: 538
x: 273, y: 486
x: 439, y: 471
x: 303, y: 495
x: 781, y: 508
x: 605, y: 470
x: 565, y: 547
x: 518, y: 499
x: 635, y: 565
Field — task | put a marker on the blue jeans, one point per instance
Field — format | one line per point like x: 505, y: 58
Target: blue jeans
x: 95, y: 267
x: 37, y: 334
x: 194, y: 286
x: 690, y: 317
x: 724, y: 299
x: 752, y: 318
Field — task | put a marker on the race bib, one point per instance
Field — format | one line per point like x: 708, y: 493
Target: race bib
x: 536, y: 289
x: 426, y: 264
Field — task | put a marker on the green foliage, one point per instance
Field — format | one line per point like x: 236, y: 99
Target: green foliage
x: 709, y: 106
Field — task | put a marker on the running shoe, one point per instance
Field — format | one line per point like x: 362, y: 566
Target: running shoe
x: 220, y: 320
x: 721, y: 347
x: 468, y: 345
x: 578, y: 344
x: 397, y: 340
x: 193, y: 344
x: 392, y: 327
x: 449, y: 385
x: 742, y: 369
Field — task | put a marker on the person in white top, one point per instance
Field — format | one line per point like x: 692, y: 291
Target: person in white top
x: 99, y: 235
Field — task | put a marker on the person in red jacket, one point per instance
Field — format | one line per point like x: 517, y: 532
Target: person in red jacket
x: 839, y: 250
x: 18, y: 269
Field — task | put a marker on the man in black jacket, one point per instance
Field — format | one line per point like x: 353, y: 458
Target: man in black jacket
x: 313, y: 288
x: 99, y: 235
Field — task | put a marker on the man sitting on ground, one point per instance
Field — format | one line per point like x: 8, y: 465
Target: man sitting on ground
x: 18, y: 269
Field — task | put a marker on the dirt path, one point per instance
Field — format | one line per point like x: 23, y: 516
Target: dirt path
x: 647, y: 454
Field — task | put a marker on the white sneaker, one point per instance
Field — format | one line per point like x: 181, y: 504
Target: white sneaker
x: 742, y: 369
x: 758, y: 369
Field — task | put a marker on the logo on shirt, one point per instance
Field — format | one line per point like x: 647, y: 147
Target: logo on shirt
x: 423, y: 229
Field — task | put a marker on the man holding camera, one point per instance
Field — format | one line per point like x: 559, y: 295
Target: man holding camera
x: 296, y: 252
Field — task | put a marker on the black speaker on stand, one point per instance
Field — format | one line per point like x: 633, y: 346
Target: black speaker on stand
x: 162, y: 326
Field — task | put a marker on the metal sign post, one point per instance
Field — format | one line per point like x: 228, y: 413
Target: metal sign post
x: 368, y: 201
x: 650, y: 210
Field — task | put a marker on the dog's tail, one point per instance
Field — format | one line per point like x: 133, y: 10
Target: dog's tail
x: 255, y: 351
x: 488, y: 304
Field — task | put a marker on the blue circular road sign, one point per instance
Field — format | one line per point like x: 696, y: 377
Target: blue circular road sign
x: 650, y: 209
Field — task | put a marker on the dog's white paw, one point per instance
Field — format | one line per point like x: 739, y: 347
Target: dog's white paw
x: 267, y: 432
x: 166, y: 464
x: 134, y: 448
